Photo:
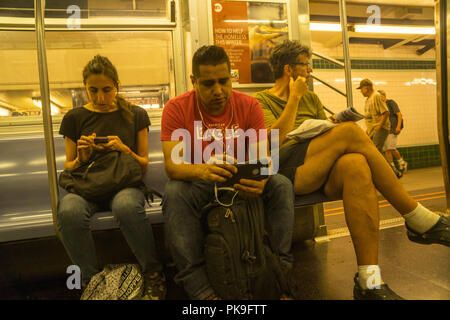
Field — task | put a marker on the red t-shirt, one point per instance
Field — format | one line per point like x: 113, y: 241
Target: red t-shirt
x: 206, y: 138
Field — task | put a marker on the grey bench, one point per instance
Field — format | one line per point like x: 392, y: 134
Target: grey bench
x: 25, y: 211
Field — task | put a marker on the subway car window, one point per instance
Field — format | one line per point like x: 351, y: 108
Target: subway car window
x: 142, y: 59
x: 19, y: 80
x: 75, y: 32
x: 150, y: 9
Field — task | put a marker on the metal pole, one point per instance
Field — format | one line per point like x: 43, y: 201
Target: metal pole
x: 442, y: 21
x: 336, y: 62
x: 39, y: 7
x: 329, y: 85
x: 347, y: 66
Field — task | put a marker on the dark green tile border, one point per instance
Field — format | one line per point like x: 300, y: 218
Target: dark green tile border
x: 379, y: 64
x: 421, y: 156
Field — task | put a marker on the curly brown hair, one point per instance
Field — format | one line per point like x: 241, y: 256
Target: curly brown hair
x: 286, y: 53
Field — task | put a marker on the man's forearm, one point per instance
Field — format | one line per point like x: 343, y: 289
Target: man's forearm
x: 184, y: 171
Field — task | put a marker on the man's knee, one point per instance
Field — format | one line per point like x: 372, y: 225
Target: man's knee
x: 351, y: 132
x: 280, y: 183
x: 175, y: 188
x: 127, y: 203
x: 354, y: 165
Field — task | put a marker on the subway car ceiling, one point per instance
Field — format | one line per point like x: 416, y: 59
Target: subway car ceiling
x: 152, y: 84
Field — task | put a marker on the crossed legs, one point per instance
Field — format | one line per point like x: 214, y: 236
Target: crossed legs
x: 325, y: 150
x: 349, y: 166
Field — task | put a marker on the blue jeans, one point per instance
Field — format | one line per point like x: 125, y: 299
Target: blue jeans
x: 127, y: 206
x: 182, y: 206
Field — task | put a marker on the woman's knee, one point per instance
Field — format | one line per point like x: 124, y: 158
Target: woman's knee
x: 128, y: 202
x: 73, y: 211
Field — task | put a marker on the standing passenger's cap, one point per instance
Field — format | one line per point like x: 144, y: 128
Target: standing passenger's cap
x: 365, y: 83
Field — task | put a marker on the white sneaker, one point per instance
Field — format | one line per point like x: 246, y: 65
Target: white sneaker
x: 404, y: 168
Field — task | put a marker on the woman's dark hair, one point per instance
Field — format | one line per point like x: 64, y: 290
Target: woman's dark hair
x: 286, y: 53
x: 209, y: 55
x: 102, y: 65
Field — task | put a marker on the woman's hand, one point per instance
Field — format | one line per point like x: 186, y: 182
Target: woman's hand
x: 84, y: 147
x: 115, y: 143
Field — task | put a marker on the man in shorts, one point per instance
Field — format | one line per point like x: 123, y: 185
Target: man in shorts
x: 390, y: 146
x: 376, y: 114
x: 343, y: 163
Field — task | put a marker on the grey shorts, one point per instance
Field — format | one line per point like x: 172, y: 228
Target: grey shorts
x: 291, y: 157
x: 379, y: 137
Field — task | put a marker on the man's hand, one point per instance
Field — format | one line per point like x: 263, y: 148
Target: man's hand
x: 333, y: 119
x: 397, y: 130
x: 298, y: 87
x: 217, y: 172
x: 251, y: 188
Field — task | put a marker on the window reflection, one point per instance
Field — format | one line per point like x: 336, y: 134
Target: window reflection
x: 143, y: 60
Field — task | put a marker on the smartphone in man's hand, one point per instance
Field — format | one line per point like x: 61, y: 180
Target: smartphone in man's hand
x: 245, y: 171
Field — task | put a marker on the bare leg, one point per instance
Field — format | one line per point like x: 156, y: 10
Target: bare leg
x: 350, y: 179
x: 348, y: 137
x: 388, y: 155
x: 396, y: 154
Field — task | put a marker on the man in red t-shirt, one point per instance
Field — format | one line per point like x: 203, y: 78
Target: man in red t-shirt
x: 197, y: 128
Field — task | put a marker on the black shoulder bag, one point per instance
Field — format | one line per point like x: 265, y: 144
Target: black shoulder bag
x: 102, y: 176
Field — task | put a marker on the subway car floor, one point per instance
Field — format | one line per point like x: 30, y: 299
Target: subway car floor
x: 323, y: 270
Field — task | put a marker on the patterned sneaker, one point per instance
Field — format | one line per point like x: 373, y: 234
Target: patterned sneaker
x: 155, y: 286
x: 383, y: 293
x: 439, y: 233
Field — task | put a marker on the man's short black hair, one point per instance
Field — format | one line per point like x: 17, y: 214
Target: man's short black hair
x: 286, y: 53
x: 209, y: 55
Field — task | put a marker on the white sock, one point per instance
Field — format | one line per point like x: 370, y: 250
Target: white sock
x: 369, y: 276
x: 393, y: 165
x: 421, y: 219
x: 401, y: 162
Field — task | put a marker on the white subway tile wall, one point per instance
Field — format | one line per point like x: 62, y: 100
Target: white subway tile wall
x: 413, y: 90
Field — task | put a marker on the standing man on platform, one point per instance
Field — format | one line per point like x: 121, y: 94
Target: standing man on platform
x: 390, y: 146
x: 376, y: 113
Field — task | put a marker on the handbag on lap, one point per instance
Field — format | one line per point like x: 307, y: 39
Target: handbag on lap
x: 102, y: 176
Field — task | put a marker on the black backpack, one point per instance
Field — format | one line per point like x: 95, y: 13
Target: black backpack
x: 240, y: 262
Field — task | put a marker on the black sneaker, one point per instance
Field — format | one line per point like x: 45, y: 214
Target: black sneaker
x: 155, y: 286
x: 384, y: 293
x: 439, y: 233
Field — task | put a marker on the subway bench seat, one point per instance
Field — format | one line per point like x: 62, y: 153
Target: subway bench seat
x: 25, y: 211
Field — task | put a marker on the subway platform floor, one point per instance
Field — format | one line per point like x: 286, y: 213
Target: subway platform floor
x: 323, y: 270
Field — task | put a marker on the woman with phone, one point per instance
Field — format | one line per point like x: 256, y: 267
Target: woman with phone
x: 108, y: 122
